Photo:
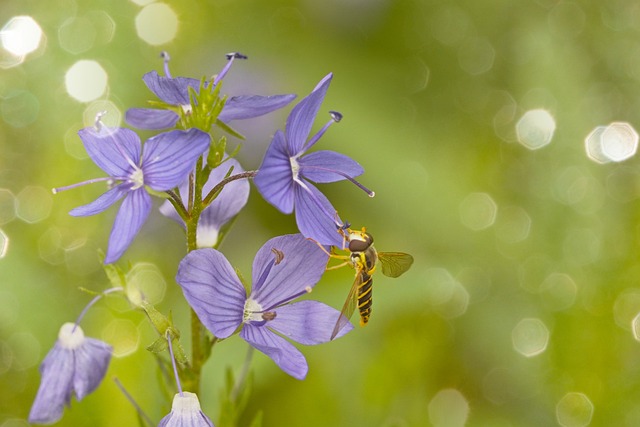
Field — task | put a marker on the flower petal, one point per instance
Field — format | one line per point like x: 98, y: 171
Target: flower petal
x: 169, y: 157
x: 92, y: 361
x: 274, y: 179
x: 55, y: 387
x: 174, y: 91
x: 212, y: 288
x: 313, y: 222
x: 114, y: 150
x: 246, y: 107
x: 307, y: 322
x: 150, y: 118
x: 286, y: 356
x: 301, y: 267
x: 328, y: 166
x: 101, y: 203
x: 303, y: 115
x: 132, y: 214
x: 228, y: 204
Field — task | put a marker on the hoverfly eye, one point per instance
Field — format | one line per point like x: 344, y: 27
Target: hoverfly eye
x: 358, y: 245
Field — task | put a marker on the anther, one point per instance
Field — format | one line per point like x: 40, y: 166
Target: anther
x: 98, y: 121
x: 269, y: 315
x: 279, y: 255
x: 165, y: 59
x: 236, y: 55
x: 336, y: 116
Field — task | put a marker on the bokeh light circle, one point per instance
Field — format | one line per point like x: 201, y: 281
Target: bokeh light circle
x: 157, y: 24
x: 530, y: 337
x: 21, y: 35
x: 535, y: 129
x: 574, y: 410
x: 448, y: 408
x: 86, y: 80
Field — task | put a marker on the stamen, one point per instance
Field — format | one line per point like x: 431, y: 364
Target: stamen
x: 168, y: 336
x: 133, y: 402
x: 166, y: 58
x: 230, y: 57
x: 335, y: 118
x: 306, y: 290
x: 278, y: 254
x: 80, y: 184
x: 269, y: 315
x: 349, y: 178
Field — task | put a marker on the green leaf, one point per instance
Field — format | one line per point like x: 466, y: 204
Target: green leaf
x: 229, y: 129
x: 257, y: 420
x: 158, y: 346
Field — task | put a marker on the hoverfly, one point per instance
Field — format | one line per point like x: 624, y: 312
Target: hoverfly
x: 363, y: 259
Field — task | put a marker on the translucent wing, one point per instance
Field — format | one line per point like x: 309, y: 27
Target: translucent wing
x: 394, y: 264
x: 349, y: 306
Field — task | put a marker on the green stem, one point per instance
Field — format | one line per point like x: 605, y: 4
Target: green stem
x: 218, y: 188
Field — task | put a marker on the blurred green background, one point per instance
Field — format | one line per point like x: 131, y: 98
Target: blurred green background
x: 470, y: 119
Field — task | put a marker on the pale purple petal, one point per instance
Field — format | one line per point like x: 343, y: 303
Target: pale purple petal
x: 114, y: 150
x: 169, y: 157
x: 314, y: 222
x: 212, y: 288
x: 307, y: 322
x: 174, y: 91
x: 302, y: 267
x: 185, y: 412
x: 92, y: 360
x: 56, y: 386
x: 102, y: 202
x: 328, y: 166
x: 274, y: 179
x: 286, y: 356
x: 246, y: 107
x: 303, y: 115
x: 150, y: 118
x: 228, y: 204
x: 132, y: 214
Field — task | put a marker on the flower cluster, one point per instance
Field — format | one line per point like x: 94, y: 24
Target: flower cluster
x: 204, y: 188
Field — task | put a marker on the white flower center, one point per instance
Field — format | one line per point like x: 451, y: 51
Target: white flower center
x: 252, y: 311
x: 137, y: 178
x: 206, y: 236
x: 186, y: 109
x: 295, y: 167
x: 69, y: 337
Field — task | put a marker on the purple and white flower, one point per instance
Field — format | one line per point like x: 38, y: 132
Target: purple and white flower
x: 224, y: 207
x: 175, y: 93
x: 163, y: 163
x: 285, y: 176
x: 185, y: 412
x: 285, y: 268
x: 75, y: 365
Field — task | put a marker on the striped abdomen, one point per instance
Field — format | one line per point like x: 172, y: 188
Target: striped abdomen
x: 365, y: 299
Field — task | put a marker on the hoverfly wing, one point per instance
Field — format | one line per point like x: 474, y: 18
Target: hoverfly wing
x: 348, y: 308
x: 394, y: 264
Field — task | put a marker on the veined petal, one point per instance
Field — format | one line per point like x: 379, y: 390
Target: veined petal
x: 307, y: 322
x: 303, y: 115
x: 92, y: 361
x: 102, y: 202
x: 114, y: 150
x: 229, y: 202
x: 173, y: 91
x: 169, y: 157
x: 301, y: 267
x: 212, y: 288
x: 286, y: 356
x: 246, y: 107
x: 314, y: 222
x: 185, y: 412
x: 55, y: 388
x: 328, y: 166
x: 150, y: 118
x: 274, y: 179
x: 132, y: 214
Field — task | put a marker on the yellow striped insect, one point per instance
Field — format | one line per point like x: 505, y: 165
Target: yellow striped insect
x: 363, y: 258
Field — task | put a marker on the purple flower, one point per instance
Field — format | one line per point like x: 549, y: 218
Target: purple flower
x: 162, y: 164
x: 185, y: 412
x: 285, y: 268
x: 229, y: 202
x: 285, y: 174
x: 175, y: 93
x: 75, y: 365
